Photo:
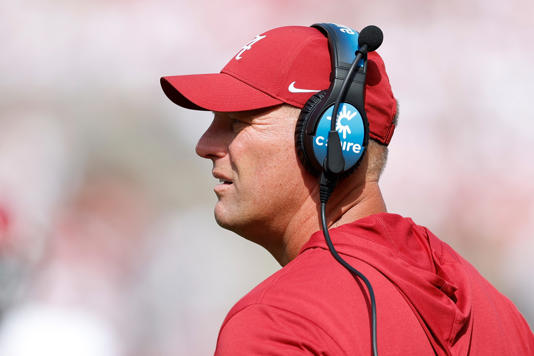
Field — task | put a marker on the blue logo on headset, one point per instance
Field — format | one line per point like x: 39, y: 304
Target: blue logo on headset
x: 351, y: 133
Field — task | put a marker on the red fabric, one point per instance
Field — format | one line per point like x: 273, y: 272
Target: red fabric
x: 261, y: 72
x: 429, y: 300
x: 4, y: 225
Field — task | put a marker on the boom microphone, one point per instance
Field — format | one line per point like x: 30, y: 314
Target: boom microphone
x: 370, y: 38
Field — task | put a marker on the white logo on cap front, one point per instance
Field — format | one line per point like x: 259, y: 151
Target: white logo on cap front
x: 248, y: 46
x: 292, y: 89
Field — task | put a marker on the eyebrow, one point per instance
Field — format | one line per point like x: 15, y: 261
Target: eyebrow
x: 247, y: 114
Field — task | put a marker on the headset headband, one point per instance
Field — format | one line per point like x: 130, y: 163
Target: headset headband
x: 343, y: 44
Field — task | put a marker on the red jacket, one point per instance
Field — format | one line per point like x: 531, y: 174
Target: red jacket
x: 429, y: 300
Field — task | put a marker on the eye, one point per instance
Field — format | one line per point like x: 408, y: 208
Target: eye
x: 238, y: 125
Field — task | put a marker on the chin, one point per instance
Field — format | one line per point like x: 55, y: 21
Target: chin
x: 223, y: 222
x: 223, y: 218
x: 235, y: 222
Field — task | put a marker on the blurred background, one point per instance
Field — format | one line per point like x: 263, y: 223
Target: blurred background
x: 107, y: 239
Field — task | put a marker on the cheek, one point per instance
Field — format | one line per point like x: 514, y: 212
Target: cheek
x: 278, y: 170
x: 266, y: 162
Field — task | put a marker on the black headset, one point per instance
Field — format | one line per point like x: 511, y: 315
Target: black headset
x: 347, y: 90
x: 332, y: 131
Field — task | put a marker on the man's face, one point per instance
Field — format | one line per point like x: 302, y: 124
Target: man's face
x: 261, y: 183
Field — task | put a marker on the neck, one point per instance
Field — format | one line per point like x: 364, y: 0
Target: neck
x: 345, y: 208
x: 347, y: 204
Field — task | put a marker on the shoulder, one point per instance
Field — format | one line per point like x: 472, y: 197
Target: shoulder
x: 262, y: 329
x: 303, y: 286
x: 285, y: 314
x: 313, y: 303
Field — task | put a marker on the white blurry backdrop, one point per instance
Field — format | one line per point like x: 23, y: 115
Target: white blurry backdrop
x: 107, y: 241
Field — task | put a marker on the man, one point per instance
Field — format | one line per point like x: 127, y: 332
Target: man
x: 429, y: 300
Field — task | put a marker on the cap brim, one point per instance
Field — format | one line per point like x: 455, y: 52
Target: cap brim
x: 214, y: 92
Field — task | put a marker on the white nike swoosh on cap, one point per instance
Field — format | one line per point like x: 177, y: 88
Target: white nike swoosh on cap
x: 292, y: 89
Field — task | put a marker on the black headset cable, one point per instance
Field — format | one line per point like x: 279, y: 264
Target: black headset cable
x: 326, y: 187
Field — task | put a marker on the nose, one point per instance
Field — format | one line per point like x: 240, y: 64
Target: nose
x: 212, y: 144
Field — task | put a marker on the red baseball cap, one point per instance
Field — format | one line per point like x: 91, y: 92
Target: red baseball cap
x: 283, y: 65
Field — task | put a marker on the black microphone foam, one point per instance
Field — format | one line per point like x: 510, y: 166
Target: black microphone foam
x: 372, y: 36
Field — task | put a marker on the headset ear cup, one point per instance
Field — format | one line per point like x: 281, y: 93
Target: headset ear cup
x: 300, y: 134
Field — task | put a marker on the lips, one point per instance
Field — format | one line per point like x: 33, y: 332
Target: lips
x: 223, y: 179
x: 225, y: 184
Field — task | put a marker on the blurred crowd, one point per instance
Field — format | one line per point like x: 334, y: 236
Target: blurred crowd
x: 107, y: 241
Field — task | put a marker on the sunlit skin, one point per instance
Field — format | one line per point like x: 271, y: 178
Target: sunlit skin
x: 266, y: 195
